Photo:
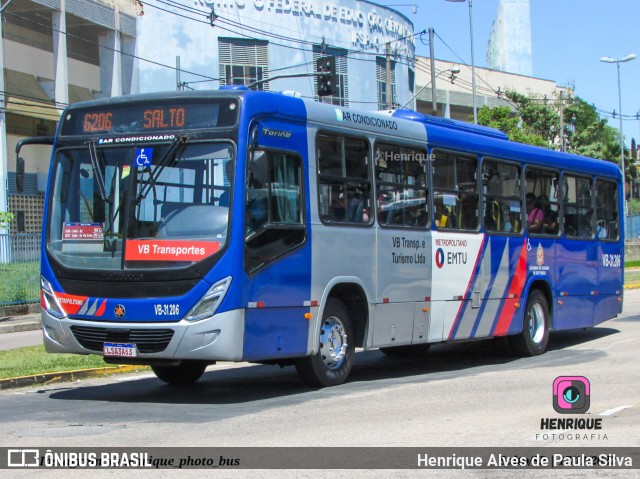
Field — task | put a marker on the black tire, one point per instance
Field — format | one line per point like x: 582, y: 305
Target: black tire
x: 332, y: 363
x: 408, y: 351
x: 187, y: 372
x: 536, y: 326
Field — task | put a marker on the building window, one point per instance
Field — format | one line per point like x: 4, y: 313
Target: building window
x: 381, y: 77
x: 20, y: 221
x: 341, y: 98
x: 412, y: 81
x: 243, y: 62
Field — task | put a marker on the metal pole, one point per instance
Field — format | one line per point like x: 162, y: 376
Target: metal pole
x: 624, y: 170
x: 562, y: 145
x: 388, y: 89
x: 473, y: 66
x: 434, y: 103
x: 178, y: 82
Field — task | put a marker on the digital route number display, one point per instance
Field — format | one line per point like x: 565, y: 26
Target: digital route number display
x: 150, y: 117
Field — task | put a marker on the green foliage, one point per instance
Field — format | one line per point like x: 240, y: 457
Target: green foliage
x: 6, y: 217
x: 537, y: 122
x: 19, y: 283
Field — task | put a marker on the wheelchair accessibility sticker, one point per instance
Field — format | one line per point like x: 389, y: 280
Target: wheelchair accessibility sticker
x: 144, y: 157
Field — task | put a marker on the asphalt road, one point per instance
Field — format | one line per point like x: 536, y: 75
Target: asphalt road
x: 473, y: 394
x: 20, y: 339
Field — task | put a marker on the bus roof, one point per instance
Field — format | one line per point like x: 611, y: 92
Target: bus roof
x: 440, y: 132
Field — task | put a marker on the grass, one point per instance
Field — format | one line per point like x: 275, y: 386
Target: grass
x: 35, y: 360
x: 19, y: 283
x: 632, y: 264
x: 631, y: 277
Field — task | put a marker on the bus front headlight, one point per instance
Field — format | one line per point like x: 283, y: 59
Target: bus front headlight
x: 208, y: 304
x: 49, y: 301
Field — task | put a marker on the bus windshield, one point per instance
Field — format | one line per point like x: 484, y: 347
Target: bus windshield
x: 134, y: 207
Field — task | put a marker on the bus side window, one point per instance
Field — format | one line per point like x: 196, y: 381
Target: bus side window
x: 502, y: 204
x: 344, y: 185
x: 274, y: 207
x: 542, y: 193
x: 401, y: 185
x: 455, y: 190
x: 607, y: 217
x: 578, y: 210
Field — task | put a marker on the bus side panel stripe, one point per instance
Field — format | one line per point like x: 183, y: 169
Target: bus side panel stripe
x: 467, y: 294
x: 513, y: 296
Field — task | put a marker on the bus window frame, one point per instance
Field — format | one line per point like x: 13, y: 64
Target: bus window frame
x: 342, y: 179
x: 559, y: 201
x: 428, y: 185
x: 304, y: 210
x: 617, y: 185
x: 591, y: 179
x: 520, y: 166
x: 433, y: 151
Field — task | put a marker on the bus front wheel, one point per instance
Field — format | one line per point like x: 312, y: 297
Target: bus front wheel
x: 535, y: 329
x: 187, y: 372
x: 332, y: 363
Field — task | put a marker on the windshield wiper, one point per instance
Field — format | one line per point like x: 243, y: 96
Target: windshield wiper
x: 97, y: 171
x: 164, y: 161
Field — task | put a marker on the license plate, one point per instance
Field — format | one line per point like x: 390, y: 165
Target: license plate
x: 126, y: 350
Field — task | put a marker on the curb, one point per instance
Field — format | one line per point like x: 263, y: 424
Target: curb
x: 632, y: 286
x: 19, y: 327
x: 64, y: 376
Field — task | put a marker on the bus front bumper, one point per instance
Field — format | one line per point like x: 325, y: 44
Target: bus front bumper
x: 220, y: 337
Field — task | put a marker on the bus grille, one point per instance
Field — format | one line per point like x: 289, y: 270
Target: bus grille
x: 146, y: 340
x: 104, y: 289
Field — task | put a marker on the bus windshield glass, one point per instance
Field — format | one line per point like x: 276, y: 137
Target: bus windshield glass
x: 133, y: 207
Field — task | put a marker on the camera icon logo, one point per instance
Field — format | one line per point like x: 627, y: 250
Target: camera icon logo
x: 571, y: 395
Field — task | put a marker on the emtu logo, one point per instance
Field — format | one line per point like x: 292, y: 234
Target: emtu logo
x: 439, y: 257
x: 571, y: 395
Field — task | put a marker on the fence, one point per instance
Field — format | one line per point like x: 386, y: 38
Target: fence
x: 632, y: 227
x: 19, y: 268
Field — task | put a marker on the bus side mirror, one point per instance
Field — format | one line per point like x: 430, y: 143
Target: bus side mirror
x: 20, y: 174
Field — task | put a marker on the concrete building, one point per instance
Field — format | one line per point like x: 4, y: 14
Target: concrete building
x: 509, y: 47
x: 286, y: 37
x: 56, y: 52
x: 454, y: 92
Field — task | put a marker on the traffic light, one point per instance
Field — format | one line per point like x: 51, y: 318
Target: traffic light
x: 328, y: 81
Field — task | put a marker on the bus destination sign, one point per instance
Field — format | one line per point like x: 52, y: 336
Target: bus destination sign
x: 150, y: 117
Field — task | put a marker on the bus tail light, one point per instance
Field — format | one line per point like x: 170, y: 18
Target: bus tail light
x: 49, y: 301
x: 208, y: 304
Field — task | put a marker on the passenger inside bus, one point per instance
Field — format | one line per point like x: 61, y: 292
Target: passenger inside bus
x: 535, y: 215
x: 550, y: 221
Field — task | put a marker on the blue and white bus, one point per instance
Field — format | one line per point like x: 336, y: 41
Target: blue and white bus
x: 187, y: 228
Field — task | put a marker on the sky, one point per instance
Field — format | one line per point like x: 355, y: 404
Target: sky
x: 568, y: 39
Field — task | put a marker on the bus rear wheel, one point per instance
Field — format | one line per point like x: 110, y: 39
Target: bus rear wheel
x: 408, y: 351
x: 535, y: 330
x: 332, y: 363
x: 187, y: 372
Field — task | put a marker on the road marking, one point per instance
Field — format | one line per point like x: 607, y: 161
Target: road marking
x: 611, y: 412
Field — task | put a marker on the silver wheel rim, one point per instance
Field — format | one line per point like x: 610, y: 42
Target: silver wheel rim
x: 536, y: 323
x: 333, y: 342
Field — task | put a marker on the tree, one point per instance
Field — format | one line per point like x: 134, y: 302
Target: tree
x: 536, y: 121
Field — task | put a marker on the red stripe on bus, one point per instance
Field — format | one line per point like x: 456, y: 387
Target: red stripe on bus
x: 515, y: 291
x: 474, y: 277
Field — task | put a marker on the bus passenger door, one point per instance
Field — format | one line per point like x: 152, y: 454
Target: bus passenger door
x: 277, y: 254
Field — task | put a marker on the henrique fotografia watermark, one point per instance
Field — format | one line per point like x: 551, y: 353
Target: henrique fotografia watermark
x: 418, y: 156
